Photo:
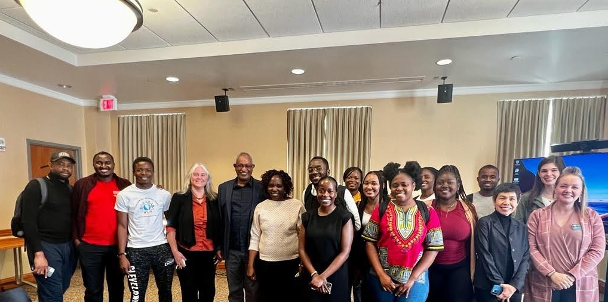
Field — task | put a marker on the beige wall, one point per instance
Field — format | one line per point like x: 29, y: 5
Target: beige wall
x: 462, y: 133
x: 25, y: 115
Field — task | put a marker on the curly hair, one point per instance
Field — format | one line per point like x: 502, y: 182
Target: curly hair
x: 285, y: 178
x: 461, y: 194
x: 411, y: 169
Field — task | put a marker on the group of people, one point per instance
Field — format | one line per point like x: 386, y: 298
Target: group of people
x: 371, y: 238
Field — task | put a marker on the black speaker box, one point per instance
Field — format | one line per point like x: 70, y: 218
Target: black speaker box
x: 221, y: 103
x: 444, y: 93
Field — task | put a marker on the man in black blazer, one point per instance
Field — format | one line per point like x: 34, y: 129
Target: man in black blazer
x: 238, y: 199
x: 502, y: 249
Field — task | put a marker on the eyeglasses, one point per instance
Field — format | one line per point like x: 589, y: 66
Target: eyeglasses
x: 241, y: 166
x: 315, y: 169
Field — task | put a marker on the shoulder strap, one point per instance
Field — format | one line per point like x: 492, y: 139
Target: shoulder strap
x: 424, y: 210
x: 43, y: 190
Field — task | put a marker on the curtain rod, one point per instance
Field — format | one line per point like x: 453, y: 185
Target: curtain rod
x: 333, y: 107
x: 558, y: 98
x: 152, y: 114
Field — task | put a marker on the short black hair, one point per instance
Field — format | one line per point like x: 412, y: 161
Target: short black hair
x: 507, y: 187
x: 103, y: 153
x: 351, y: 170
x: 330, y: 179
x: 142, y: 159
x: 325, y: 162
x: 285, y: 178
x: 489, y: 167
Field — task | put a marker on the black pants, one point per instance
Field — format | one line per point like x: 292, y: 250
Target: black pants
x: 451, y: 282
x: 158, y: 258
x: 95, y: 260
x: 197, y: 279
x: 564, y: 295
x: 484, y: 295
x: 276, y: 279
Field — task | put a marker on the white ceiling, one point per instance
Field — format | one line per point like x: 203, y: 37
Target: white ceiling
x: 212, y: 44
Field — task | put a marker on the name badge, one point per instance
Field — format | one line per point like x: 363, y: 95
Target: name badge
x: 576, y: 227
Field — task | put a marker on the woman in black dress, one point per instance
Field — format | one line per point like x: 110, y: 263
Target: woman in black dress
x: 325, y: 239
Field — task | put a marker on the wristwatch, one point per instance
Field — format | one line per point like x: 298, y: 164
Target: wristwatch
x: 120, y: 254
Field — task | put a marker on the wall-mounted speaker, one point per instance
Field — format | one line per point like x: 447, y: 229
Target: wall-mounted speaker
x: 444, y: 93
x: 221, y: 103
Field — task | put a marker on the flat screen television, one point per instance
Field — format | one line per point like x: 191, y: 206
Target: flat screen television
x: 594, y: 167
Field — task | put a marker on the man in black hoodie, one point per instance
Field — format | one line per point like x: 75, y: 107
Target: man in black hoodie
x: 48, y: 229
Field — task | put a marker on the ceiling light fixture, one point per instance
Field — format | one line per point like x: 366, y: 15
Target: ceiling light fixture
x: 64, y: 86
x: 513, y: 58
x: 297, y: 71
x: 443, y: 62
x: 86, y: 24
x: 172, y: 79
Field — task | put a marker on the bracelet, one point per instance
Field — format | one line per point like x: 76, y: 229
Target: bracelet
x: 313, y: 274
x: 120, y: 254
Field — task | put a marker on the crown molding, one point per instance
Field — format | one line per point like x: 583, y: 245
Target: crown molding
x: 45, y: 91
x: 392, y: 94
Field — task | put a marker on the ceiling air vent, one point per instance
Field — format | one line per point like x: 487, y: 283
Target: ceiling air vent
x: 399, y: 80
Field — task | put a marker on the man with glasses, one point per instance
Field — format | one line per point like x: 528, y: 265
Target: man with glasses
x: 47, y: 228
x: 318, y: 167
x: 237, y: 199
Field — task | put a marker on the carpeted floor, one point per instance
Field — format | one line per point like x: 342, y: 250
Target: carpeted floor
x: 76, y: 290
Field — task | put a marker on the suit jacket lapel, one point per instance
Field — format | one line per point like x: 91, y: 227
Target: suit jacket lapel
x: 497, y: 224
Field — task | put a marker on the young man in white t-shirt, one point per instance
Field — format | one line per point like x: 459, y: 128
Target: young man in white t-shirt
x: 142, y: 244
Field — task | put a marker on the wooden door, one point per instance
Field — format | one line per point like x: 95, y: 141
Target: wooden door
x: 40, y: 155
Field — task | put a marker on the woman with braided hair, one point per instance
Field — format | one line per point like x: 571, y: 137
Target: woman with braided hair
x: 452, y: 272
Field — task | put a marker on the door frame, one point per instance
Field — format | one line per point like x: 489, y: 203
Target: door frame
x: 77, y: 155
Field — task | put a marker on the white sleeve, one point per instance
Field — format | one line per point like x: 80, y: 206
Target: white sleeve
x: 352, y: 208
x: 254, y: 242
x: 121, y: 203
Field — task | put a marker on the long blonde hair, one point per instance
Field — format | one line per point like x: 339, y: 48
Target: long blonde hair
x: 581, y: 205
x: 209, y: 192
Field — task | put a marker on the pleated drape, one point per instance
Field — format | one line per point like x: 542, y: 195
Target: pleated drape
x: 578, y: 119
x: 522, y: 128
x: 342, y: 135
x: 161, y: 137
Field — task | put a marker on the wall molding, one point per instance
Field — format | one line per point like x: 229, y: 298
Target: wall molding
x: 45, y: 91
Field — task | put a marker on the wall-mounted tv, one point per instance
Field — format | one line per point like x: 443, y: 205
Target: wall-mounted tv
x: 594, y: 167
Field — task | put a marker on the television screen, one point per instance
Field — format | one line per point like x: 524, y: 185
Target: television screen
x: 594, y: 167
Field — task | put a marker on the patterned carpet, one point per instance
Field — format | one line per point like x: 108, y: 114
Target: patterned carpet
x: 76, y: 291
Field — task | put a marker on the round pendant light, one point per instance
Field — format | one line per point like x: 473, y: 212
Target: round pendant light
x: 86, y: 23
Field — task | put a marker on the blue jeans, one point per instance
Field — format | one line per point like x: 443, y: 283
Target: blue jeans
x: 60, y: 256
x: 418, y: 292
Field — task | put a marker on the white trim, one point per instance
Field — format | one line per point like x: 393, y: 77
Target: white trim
x: 371, y: 95
x: 45, y: 91
x: 12, y: 32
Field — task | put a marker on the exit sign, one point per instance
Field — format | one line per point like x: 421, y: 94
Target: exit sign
x: 107, y: 103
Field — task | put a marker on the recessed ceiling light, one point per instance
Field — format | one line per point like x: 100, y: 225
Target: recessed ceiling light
x: 64, y: 86
x: 297, y: 71
x: 153, y: 10
x: 515, y: 58
x: 172, y: 79
x: 443, y: 62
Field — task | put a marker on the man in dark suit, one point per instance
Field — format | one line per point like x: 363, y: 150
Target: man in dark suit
x: 237, y: 199
x: 502, y: 249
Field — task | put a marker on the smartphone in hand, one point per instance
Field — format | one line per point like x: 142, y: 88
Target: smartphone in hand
x: 49, y: 272
x: 496, y: 290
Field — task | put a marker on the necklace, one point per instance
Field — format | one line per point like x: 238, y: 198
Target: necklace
x: 198, y: 198
x: 449, y: 209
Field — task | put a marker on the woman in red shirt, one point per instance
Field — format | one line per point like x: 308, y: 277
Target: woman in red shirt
x: 452, y: 272
x: 402, y: 241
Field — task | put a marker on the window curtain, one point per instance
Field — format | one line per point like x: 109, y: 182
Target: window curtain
x: 522, y: 128
x: 578, y: 119
x: 341, y: 134
x: 162, y: 138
